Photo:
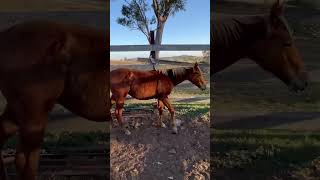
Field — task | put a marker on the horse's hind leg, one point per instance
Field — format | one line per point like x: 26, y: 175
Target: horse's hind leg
x: 8, y: 127
x: 167, y: 103
x: 160, y: 109
x: 118, y: 113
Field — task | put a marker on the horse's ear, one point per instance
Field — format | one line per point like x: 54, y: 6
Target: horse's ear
x: 277, y: 9
x: 196, y: 65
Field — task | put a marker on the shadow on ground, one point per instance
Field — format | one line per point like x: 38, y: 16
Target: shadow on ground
x: 264, y: 121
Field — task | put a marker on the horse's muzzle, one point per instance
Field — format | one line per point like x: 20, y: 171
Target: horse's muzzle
x: 298, y: 85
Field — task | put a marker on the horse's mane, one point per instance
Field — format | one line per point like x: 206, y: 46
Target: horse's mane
x: 241, y: 30
x: 174, y: 73
x: 237, y: 30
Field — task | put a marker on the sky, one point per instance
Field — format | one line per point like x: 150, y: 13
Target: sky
x: 185, y: 27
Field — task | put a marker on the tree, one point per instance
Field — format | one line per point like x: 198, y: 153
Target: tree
x: 136, y: 16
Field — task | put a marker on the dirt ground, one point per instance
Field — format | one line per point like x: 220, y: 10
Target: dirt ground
x: 155, y: 153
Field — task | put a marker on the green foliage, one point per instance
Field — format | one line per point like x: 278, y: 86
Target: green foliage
x: 167, y: 8
x: 134, y: 16
x: 135, y: 13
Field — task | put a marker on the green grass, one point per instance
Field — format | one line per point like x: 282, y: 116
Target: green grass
x: 261, y: 97
x: 190, y: 91
x: 265, y: 154
x: 185, y: 110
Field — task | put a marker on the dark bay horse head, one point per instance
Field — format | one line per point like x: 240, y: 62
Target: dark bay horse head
x: 277, y: 52
x: 266, y: 39
x: 195, y: 76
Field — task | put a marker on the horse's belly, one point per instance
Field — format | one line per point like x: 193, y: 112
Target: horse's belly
x: 88, y: 96
x: 143, y: 91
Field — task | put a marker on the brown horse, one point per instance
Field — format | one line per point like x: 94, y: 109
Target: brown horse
x: 145, y: 85
x: 43, y: 63
x: 266, y: 39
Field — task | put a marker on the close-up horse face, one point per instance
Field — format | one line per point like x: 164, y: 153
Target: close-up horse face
x: 196, y: 77
x: 278, y: 54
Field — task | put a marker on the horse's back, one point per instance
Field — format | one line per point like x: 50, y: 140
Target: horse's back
x: 139, y: 84
x: 228, y: 30
x: 121, y: 73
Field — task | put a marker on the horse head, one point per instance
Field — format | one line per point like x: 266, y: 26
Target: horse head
x: 195, y: 76
x: 277, y: 52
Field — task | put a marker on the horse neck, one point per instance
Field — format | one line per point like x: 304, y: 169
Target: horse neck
x: 233, y: 37
x: 177, y: 75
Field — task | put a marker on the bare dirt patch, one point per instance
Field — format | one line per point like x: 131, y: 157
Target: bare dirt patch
x: 155, y: 153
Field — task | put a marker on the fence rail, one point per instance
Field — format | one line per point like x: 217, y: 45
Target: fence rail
x: 163, y: 47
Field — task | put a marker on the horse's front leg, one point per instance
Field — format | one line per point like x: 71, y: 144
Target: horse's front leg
x: 28, y: 150
x: 160, y: 109
x: 8, y: 128
x: 118, y: 113
x: 167, y: 103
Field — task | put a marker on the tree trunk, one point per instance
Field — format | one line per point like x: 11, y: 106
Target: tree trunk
x: 158, y: 39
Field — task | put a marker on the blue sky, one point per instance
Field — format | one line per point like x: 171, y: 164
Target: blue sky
x: 186, y: 27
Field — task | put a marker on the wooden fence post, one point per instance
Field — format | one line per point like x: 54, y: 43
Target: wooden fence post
x: 152, y: 58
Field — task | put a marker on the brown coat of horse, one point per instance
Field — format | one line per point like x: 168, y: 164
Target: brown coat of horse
x: 153, y: 84
x: 43, y: 63
x: 266, y: 39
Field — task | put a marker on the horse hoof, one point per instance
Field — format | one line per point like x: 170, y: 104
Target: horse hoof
x: 163, y: 125
x: 175, y: 130
x: 127, y: 132
x: 155, y: 124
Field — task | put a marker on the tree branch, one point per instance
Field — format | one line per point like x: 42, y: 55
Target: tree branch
x: 156, y: 8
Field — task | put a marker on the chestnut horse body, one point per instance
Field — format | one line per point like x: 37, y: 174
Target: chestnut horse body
x: 153, y: 84
x: 43, y: 63
x: 265, y: 39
